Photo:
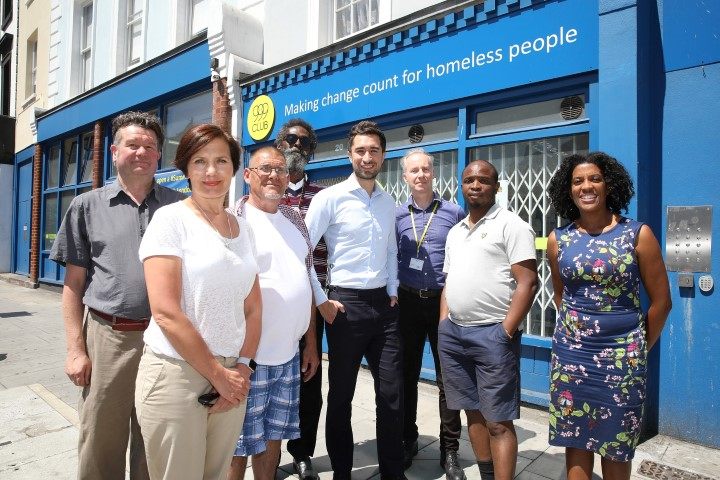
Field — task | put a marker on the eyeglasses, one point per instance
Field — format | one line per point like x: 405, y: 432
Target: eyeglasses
x: 292, y: 139
x: 266, y: 170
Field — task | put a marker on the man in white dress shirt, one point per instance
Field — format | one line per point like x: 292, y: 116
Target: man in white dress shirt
x: 357, y: 219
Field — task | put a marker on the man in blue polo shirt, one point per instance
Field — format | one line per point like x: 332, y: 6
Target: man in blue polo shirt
x: 422, y: 225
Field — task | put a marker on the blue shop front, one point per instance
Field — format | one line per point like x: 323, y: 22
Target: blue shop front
x: 175, y: 86
x: 521, y: 84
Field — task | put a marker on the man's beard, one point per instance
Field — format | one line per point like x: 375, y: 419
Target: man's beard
x: 295, y: 161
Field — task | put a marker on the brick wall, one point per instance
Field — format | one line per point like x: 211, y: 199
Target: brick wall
x: 221, y: 112
x: 35, y: 216
x: 97, y: 155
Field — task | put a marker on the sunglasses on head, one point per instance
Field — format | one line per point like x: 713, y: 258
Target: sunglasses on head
x: 292, y: 139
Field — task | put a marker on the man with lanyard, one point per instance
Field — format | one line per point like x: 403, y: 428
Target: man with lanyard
x: 357, y: 219
x: 297, y: 141
x: 422, y: 224
x: 105, y: 304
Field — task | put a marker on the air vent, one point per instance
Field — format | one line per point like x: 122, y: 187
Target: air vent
x: 416, y: 133
x: 572, y: 107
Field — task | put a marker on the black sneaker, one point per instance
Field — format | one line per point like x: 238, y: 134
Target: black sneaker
x: 304, y: 469
x: 453, y: 470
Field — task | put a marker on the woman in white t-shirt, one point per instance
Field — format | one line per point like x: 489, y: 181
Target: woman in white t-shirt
x: 201, y: 276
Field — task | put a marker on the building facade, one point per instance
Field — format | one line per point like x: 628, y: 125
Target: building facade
x: 8, y: 63
x: 520, y: 83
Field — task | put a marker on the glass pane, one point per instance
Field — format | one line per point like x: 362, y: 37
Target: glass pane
x: 53, y: 165
x: 87, y: 14
x: 181, y: 115
x: 360, y: 20
x: 135, y: 43
x: 199, y: 16
x: 87, y: 70
x: 134, y: 7
x: 373, y: 12
x: 342, y: 23
x: 69, y: 165
x: 525, y: 116
x: 341, y: 3
x: 51, y: 222
x: 86, y: 165
x: 330, y: 149
x: 435, y: 131
x: 65, y: 199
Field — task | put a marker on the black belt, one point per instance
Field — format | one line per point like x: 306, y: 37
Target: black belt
x: 356, y: 291
x: 423, y: 293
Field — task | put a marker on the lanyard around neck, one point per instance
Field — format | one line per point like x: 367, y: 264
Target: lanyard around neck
x: 427, y: 227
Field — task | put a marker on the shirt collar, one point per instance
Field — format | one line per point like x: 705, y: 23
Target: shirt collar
x: 112, y: 190
x: 436, y: 198
x: 352, y: 184
x: 295, y: 188
x: 490, y: 214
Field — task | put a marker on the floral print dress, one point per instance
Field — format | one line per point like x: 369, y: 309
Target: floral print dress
x: 598, y: 362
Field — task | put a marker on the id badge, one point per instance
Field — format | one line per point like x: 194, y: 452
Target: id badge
x: 416, y: 263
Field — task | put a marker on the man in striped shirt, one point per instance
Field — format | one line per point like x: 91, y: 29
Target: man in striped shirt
x: 297, y: 141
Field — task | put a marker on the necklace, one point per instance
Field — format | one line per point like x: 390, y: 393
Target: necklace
x: 225, y: 241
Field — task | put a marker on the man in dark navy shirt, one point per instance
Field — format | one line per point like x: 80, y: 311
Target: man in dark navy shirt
x: 422, y: 226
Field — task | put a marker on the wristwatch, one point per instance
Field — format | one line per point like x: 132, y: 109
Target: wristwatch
x: 249, y: 362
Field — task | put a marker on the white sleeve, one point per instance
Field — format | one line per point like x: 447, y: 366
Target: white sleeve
x: 519, y: 242
x: 163, y: 235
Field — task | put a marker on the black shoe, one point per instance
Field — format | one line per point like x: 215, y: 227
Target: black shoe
x: 304, y: 469
x: 453, y: 470
x: 410, y: 449
x: 398, y: 477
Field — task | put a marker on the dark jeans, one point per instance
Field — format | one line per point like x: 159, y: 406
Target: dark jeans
x: 369, y: 328
x: 310, y: 403
x: 418, y: 320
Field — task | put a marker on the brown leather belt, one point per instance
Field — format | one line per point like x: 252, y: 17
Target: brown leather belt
x: 122, y: 324
x: 424, y: 293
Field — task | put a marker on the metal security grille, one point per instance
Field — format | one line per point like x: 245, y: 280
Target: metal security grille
x: 525, y: 169
x: 444, y: 166
x: 659, y: 471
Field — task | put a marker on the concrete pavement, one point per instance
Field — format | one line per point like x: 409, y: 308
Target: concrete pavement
x: 38, y: 432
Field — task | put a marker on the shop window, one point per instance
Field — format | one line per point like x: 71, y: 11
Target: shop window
x: 6, y: 12
x: 524, y: 170
x: 86, y: 162
x: 53, y: 167
x: 179, y: 116
x: 86, y: 36
x: 352, y: 16
x: 69, y: 161
x: 51, y: 221
x: 445, y: 183
x: 541, y: 114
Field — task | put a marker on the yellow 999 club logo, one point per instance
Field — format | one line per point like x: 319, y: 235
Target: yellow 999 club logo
x: 261, y: 117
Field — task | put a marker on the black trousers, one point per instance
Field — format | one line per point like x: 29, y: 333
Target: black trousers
x: 310, y: 403
x: 369, y: 328
x: 419, y: 319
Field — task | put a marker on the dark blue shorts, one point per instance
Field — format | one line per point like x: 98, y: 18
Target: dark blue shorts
x: 481, y: 369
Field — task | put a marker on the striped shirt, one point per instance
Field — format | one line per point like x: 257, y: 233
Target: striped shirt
x: 300, y: 201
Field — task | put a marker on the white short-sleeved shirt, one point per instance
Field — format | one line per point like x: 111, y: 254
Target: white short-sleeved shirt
x: 215, y: 279
x: 284, y: 283
x: 479, y: 283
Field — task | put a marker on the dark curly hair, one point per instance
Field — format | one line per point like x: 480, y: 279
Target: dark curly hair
x: 297, y: 122
x: 617, y: 180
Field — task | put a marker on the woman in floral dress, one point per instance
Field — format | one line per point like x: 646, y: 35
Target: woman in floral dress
x: 602, y: 335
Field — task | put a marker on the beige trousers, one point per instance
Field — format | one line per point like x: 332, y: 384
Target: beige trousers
x: 107, y: 406
x: 182, y: 440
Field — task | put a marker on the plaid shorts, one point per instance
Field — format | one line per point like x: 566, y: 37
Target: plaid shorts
x: 272, y: 411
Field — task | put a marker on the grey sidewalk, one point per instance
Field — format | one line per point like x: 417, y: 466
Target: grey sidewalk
x: 38, y: 433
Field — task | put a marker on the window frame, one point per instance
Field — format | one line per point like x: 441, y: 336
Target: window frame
x: 31, y: 66
x: 131, y: 20
x: 86, y: 45
x: 351, y: 6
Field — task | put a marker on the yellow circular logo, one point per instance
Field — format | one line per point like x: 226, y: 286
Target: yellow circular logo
x: 261, y: 117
